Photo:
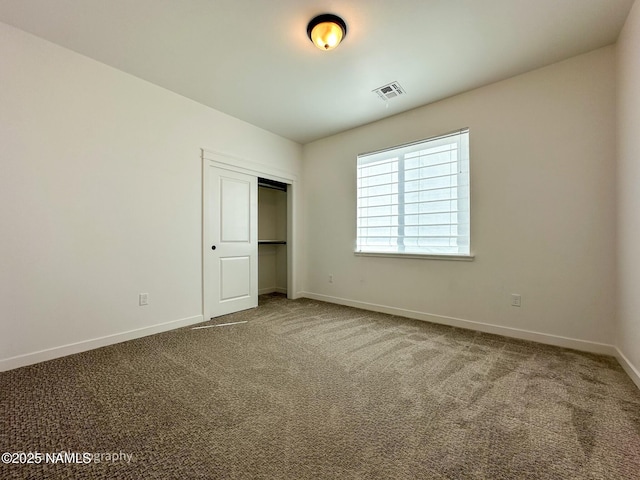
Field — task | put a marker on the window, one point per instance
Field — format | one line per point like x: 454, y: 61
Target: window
x: 414, y: 199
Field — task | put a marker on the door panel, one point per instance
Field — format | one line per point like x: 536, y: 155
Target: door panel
x: 232, y: 235
x: 235, y: 278
x: 236, y: 210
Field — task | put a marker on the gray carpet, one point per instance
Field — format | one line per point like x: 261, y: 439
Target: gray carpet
x: 309, y: 390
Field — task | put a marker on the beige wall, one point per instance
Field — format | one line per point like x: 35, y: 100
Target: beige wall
x: 100, y: 199
x: 629, y: 190
x: 543, y: 207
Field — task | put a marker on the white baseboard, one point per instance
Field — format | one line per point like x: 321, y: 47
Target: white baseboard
x: 628, y: 367
x: 57, y: 352
x: 556, y: 340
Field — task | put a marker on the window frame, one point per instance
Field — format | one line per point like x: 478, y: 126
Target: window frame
x: 417, y: 255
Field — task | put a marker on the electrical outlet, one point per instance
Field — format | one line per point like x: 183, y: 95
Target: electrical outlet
x: 516, y: 300
x: 143, y: 299
x: 330, y: 278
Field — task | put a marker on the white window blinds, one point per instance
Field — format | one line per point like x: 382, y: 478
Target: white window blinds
x: 414, y: 199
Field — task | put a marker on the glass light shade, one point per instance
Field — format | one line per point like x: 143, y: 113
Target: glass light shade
x: 327, y: 35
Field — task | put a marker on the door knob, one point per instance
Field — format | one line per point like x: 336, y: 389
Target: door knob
x: 213, y: 247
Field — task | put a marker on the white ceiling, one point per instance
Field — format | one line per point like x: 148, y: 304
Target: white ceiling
x: 253, y: 60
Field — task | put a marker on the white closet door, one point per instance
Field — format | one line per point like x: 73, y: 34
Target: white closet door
x: 233, y: 241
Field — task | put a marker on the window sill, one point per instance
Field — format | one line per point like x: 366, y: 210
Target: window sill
x: 416, y: 256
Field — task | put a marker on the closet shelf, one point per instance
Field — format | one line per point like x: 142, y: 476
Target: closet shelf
x: 272, y: 242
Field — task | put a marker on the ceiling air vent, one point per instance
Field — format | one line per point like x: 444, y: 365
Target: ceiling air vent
x: 389, y: 91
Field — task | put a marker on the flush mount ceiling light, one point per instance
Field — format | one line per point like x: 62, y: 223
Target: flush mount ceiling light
x: 326, y: 31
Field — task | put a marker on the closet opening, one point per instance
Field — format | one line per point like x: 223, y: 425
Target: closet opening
x: 272, y: 236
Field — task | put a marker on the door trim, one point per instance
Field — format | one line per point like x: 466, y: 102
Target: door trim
x: 212, y: 158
